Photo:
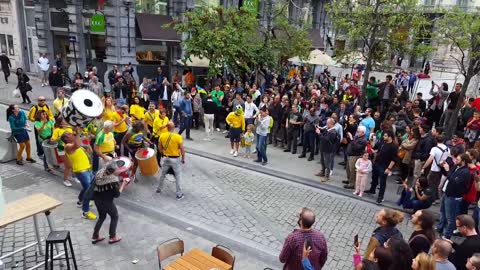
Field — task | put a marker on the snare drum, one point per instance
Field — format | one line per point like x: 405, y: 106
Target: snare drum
x: 147, y: 161
x: 83, y: 107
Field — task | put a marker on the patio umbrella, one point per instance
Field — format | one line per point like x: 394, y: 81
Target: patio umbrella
x: 295, y: 61
x: 318, y: 57
x: 195, y: 61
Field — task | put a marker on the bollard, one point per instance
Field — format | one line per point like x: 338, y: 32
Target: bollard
x: 8, y: 146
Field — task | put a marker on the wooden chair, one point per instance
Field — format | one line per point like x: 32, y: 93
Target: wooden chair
x: 169, y: 248
x: 223, y: 254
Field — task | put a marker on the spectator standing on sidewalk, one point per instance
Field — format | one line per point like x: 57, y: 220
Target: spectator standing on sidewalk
x: 209, y: 109
x: 186, y: 113
x: 441, y: 250
x: 262, y: 123
x: 112, y: 76
x: 43, y: 64
x: 6, y: 66
x: 55, y: 80
x: 251, y: 110
x: 106, y: 189
x: 60, y: 102
x: 438, y: 155
x: 385, y: 160
x: 170, y: 145
x: 355, y: 150
x: 311, y: 120
x: 236, y: 121
x: 422, y: 150
x: 470, y: 246
x: 329, y: 142
x: 455, y: 187
x: 292, y: 251
x: 293, y: 125
x: 18, y: 125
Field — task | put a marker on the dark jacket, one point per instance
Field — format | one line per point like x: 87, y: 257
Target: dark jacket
x: 424, y: 145
x: 357, y: 146
x: 391, y: 88
x: 22, y: 82
x: 112, y: 77
x: 209, y: 107
x: 329, y: 141
x: 458, y: 179
x: 55, y: 79
x: 161, y: 90
x: 276, y: 111
x: 5, y: 62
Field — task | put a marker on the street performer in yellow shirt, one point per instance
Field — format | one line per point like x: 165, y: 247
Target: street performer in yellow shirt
x: 159, y: 127
x: 171, y: 146
x: 236, y: 121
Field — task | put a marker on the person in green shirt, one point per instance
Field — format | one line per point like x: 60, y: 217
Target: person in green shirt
x: 217, y: 96
x: 44, y: 128
x: 372, y: 93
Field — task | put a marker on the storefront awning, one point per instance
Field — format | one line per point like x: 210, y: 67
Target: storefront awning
x: 151, y: 27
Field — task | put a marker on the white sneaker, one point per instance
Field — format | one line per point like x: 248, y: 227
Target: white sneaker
x: 232, y: 152
x: 67, y: 183
x: 218, y: 129
x: 225, y: 131
x: 331, y: 172
x: 76, y: 180
x: 235, y: 154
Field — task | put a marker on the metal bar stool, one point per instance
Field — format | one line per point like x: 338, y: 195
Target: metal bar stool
x: 59, y: 237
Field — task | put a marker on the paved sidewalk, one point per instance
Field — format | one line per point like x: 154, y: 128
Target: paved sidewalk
x: 141, y: 233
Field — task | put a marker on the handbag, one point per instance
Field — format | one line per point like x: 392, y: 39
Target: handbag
x: 28, y: 87
x: 16, y: 93
x: 401, y: 153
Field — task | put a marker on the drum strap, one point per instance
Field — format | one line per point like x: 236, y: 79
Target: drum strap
x: 167, y: 143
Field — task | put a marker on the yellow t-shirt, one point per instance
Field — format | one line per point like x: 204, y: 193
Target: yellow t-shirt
x: 157, y: 131
x: 137, y: 112
x: 58, y: 105
x: 33, y: 112
x: 150, y: 117
x: 173, y: 146
x: 116, y: 117
x: 57, y: 134
x: 105, y: 142
x: 79, y: 160
x: 108, y: 114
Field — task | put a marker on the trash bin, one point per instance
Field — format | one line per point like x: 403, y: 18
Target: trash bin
x: 50, y: 152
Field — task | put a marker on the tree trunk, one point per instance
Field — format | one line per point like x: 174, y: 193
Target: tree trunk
x: 451, y: 126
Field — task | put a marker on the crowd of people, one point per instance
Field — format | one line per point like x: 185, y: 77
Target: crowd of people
x: 389, y: 129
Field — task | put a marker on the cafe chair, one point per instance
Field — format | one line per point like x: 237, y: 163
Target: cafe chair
x: 169, y: 248
x: 223, y: 254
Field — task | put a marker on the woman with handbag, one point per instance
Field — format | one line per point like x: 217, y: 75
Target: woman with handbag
x: 405, y: 152
x: 23, y: 85
x: 18, y: 124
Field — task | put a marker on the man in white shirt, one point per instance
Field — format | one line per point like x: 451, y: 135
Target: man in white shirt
x: 438, y: 155
x: 44, y: 64
x: 251, y: 111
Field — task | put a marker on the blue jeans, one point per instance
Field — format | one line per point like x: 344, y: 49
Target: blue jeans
x: 262, y: 148
x: 85, y: 179
x: 408, y: 202
x: 185, y: 123
x: 476, y: 217
x: 449, y: 210
x: 378, y: 173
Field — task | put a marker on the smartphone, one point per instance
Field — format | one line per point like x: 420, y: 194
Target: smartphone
x: 308, y: 242
x: 355, y: 240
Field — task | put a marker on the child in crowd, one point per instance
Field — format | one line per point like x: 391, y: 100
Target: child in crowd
x: 363, y: 167
x: 249, y: 137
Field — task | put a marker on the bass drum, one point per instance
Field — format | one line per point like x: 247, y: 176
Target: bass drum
x: 83, y: 107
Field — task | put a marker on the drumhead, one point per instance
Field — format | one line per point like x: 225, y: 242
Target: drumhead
x: 87, y: 103
x: 124, y: 163
x: 145, y: 153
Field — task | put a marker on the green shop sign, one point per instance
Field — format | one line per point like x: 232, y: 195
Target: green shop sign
x: 97, y: 23
x: 251, y: 5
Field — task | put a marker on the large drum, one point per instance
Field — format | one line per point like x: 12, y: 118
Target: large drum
x: 83, y: 107
x: 147, y: 161
x: 50, y: 151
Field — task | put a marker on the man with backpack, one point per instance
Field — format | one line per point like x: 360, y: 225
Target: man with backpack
x: 329, y: 141
x: 41, y: 106
x: 438, y: 155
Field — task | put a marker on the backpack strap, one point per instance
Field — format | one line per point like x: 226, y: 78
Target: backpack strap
x: 419, y: 236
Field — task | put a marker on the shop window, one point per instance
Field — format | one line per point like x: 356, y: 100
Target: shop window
x: 58, y: 19
x: 30, y: 17
x: 159, y: 7
x: 154, y: 55
x: 91, y: 4
x: 3, y: 43
x: 6, y: 44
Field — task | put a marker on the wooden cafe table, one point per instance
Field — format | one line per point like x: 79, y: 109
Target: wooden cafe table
x: 25, y: 208
x: 197, y: 259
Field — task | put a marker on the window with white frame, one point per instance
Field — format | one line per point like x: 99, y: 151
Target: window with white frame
x: 6, y: 44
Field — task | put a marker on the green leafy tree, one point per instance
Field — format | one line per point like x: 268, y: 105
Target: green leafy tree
x: 224, y: 36
x: 461, y: 29
x: 384, y: 27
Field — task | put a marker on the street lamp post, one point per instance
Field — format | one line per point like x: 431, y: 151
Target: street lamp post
x: 127, y: 7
